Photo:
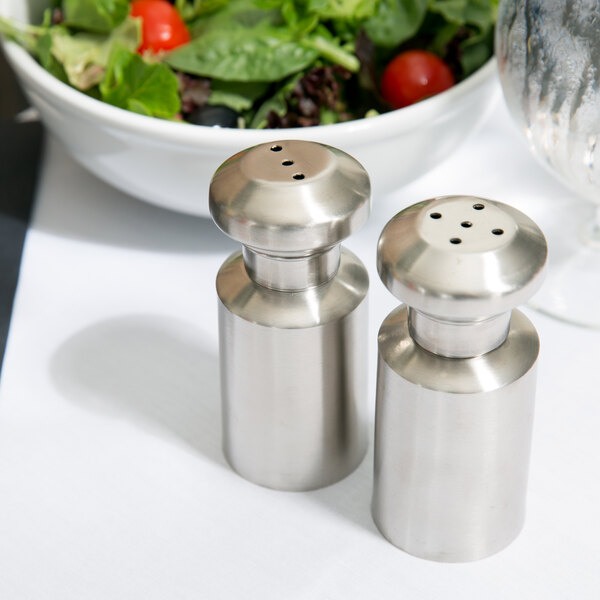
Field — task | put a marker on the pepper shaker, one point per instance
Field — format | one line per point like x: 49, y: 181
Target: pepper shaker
x: 456, y: 377
x: 292, y: 314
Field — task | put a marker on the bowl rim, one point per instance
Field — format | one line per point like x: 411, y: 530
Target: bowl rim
x: 365, y: 130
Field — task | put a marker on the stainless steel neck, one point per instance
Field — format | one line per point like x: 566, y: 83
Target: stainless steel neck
x: 458, y: 339
x: 291, y: 273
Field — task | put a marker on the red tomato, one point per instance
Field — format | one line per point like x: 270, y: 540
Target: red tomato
x: 162, y: 27
x: 413, y: 76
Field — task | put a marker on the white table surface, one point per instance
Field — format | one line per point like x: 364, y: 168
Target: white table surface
x: 112, y: 481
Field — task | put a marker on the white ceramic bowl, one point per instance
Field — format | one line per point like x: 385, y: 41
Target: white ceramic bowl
x: 171, y: 164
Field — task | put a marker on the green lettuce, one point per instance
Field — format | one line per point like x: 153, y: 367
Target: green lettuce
x: 133, y: 84
x: 99, y: 16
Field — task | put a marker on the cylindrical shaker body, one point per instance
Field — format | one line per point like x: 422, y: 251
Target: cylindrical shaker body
x: 293, y: 377
x: 292, y: 313
x: 452, y: 441
x: 456, y: 377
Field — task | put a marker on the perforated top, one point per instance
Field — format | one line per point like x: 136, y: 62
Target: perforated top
x: 461, y: 257
x: 290, y: 196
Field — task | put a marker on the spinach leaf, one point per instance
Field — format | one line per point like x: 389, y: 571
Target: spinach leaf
x: 475, y: 51
x: 442, y: 36
x: 192, y: 9
x: 238, y: 96
x: 235, y: 14
x: 277, y: 103
x: 261, y: 53
x: 480, y: 13
x: 147, y: 89
x: 477, y: 18
x: 98, y: 16
x: 297, y: 18
x: 395, y: 21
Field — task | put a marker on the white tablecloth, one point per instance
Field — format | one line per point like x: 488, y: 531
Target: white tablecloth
x: 112, y: 481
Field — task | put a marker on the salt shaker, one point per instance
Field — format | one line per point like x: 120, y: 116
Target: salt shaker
x: 292, y: 314
x: 456, y: 377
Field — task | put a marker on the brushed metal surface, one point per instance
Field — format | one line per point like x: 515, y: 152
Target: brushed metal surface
x: 456, y: 377
x: 293, y: 376
x: 458, y: 339
x: 290, y: 196
x: 497, y: 263
x: 452, y: 442
x: 292, y: 273
x: 292, y: 313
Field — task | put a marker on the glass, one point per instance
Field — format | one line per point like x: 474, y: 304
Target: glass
x: 548, y: 55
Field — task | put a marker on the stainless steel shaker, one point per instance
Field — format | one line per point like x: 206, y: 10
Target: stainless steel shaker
x: 456, y: 377
x: 292, y: 314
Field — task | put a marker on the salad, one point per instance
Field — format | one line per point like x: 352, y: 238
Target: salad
x: 260, y: 63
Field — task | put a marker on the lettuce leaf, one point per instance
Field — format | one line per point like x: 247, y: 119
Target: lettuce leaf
x: 342, y: 9
x: 84, y: 56
x: 133, y: 84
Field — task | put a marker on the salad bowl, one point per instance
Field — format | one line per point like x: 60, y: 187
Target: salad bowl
x: 170, y: 164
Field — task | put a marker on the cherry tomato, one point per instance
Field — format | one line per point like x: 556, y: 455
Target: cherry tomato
x: 413, y: 76
x: 162, y: 27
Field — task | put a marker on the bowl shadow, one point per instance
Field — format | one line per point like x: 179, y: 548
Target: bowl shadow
x: 153, y: 371
x: 102, y: 214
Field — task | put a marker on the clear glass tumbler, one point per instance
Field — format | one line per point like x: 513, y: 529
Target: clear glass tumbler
x: 548, y: 54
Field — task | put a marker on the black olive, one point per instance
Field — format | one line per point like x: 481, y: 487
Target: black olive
x: 217, y: 115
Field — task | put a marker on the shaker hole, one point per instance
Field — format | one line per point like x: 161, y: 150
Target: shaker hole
x: 276, y: 148
x: 455, y: 241
x: 287, y: 162
x: 466, y: 224
x: 497, y: 231
x: 478, y: 206
x: 299, y: 176
x: 436, y: 215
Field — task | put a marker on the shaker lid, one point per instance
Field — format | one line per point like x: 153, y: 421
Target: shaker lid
x: 290, y: 196
x: 461, y: 257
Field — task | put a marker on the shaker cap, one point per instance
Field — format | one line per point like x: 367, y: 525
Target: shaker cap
x: 461, y: 257
x: 290, y: 196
